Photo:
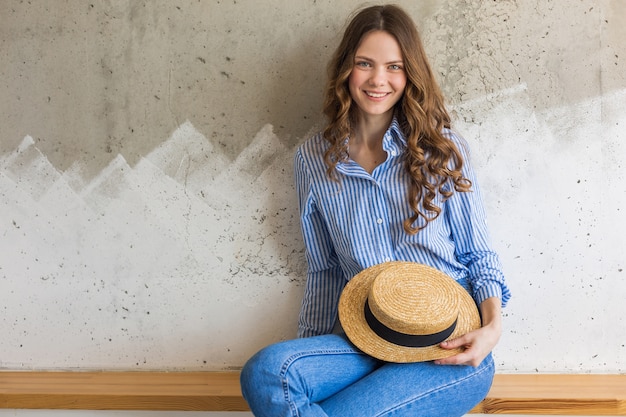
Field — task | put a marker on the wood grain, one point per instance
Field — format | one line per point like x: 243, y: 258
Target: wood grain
x: 546, y: 394
x: 537, y: 394
x: 185, y: 391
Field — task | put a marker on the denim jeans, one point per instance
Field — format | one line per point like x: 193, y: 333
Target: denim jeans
x: 326, y: 376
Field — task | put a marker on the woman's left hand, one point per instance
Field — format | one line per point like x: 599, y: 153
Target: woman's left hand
x: 478, y: 343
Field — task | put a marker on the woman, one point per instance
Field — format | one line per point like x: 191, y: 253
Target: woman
x: 386, y: 180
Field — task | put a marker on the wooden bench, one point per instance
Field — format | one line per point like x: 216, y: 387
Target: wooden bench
x: 219, y: 391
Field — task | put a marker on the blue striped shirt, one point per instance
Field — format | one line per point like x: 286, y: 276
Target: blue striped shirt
x: 357, y: 222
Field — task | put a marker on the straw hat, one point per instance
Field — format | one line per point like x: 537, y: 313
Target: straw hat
x: 402, y: 311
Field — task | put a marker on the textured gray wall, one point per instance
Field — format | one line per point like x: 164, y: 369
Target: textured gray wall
x: 147, y: 213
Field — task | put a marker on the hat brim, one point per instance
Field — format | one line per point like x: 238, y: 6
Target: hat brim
x: 352, y: 317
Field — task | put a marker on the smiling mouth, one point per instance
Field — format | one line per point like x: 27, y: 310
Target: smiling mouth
x: 376, y: 95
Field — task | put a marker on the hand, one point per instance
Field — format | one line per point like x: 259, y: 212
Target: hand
x: 478, y: 343
x: 477, y: 346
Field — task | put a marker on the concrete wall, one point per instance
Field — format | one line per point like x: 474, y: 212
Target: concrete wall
x: 147, y: 213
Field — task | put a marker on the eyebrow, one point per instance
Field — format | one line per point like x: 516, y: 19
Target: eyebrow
x: 399, y: 61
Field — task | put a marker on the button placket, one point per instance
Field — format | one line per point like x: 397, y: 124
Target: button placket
x: 381, y: 218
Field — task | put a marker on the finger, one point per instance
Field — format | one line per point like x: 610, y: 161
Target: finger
x: 460, y: 359
x: 454, y: 343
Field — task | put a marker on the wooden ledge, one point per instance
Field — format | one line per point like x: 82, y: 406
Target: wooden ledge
x: 602, y: 395
x: 571, y: 395
x: 163, y: 391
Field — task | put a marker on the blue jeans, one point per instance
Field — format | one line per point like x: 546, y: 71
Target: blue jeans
x: 326, y: 376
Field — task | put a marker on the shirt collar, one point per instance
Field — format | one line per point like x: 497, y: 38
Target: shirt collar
x: 394, y: 138
x: 394, y: 144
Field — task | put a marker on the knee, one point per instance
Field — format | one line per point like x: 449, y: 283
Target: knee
x: 266, y: 371
x: 250, y: 373
x: 262, y: 370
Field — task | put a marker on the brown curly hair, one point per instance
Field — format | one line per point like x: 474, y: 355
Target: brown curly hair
x: 431, y: 159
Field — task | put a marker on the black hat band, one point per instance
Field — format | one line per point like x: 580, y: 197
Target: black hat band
x: 403, y: 339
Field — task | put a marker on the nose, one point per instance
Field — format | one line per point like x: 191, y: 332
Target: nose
x: 378, y: 77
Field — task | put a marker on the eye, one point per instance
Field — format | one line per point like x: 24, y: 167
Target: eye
x: 395, y: 67
x: 363, y: 64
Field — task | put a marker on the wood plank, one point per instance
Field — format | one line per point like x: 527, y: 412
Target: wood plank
x: 130, y: 383
x: 183, y: 391
x: 537, y: 394
x: 546, y: 394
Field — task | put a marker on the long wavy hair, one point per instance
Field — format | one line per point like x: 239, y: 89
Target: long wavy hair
x: 431, y: 159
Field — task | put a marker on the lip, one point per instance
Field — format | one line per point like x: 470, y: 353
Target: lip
x: 376, y: 95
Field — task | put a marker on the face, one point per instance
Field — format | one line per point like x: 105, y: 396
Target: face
x: 378, y: 78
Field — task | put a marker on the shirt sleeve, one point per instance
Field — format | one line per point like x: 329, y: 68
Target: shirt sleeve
x: 324, y: 281
x: 467, y: 219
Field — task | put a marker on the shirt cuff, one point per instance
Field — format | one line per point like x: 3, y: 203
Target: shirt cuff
x: 491, y: 289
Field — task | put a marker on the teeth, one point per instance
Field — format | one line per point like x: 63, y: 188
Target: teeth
x: 376, y: 95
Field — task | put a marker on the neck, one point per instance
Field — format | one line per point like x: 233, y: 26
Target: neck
x: 370, y: 129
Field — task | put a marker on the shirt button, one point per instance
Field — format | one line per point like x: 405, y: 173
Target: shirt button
x: 393, y: 153
x: 387, y: 259
x: 379, y: 221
